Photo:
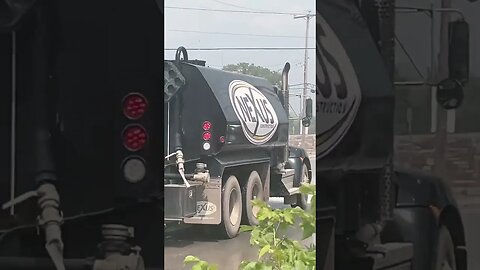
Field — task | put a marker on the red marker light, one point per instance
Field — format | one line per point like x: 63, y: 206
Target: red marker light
x: 207, y: 125
x: 135, y: 138
x: 222, y: 139
x: 207, y: 135
x: 134, y: 106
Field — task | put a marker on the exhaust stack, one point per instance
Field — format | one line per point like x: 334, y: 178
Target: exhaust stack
x: 285, y: 93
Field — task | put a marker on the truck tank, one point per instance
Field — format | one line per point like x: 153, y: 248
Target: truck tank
x: 244, y: 112
x: 355, y: 98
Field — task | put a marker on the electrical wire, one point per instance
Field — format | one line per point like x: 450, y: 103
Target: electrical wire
x: 245, y: 49
x: 236, y: 34
x: 233, y: 5
x: 236, y: 11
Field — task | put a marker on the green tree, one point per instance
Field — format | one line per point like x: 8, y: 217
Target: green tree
x: 274, y: 77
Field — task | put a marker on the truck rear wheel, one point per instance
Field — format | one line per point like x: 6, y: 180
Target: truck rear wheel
x: 231, y: 207
x: 252, y: 189
x: 302, y: 199
x: 444, y: 258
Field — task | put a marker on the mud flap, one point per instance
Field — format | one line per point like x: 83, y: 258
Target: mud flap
x: 209, y: 204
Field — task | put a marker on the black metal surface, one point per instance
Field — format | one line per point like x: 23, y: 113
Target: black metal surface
x: 418, y: 226
x: 12, y: 13
x: 98, y: 59
x: 368, y: 143
x: 44, y: 169
x: 180, y: 201
x: 206, y: 97
x: 419, y: 189
x: 97, y: 52
x: 5, y: 112
x: 27, y: 263
x: 325, y: 238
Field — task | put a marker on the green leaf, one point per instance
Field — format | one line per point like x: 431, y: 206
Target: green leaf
x: 248, y: 266
x: 190, y: 259
x: 309, y: 189
x: 299, y: 265
x: 246, y: 228
x: 289, y: 218
x: 308, y: 230
x: 198, y: 266
x: 264, y: 250
x: 264, y: 267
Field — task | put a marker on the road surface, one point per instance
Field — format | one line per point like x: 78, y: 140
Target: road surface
x: 227, y: 254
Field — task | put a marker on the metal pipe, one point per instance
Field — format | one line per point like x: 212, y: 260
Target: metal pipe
x: 286, y: 104
x: 414, y: 83
x: 44, y: 162
x: 176, y: 123
x: 285, y: 71
x: 176, y: 176
x: 13, y: 121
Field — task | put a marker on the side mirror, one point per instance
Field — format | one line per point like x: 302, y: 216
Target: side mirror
x: 308, y: 113
x: 309, y: 108
x: 459, y: 51
x: 450, y: 94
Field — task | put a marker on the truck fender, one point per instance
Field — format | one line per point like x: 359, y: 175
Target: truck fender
x: 423, y: 203
x: 297, y: 157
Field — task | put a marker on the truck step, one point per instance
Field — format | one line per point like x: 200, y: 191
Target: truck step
x: 391, y: 256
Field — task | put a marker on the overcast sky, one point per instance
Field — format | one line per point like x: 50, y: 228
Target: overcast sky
x: 229, y: 29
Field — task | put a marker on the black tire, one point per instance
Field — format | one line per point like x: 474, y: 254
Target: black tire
x: 302, y: 200
x: 444, y: 257
x: 252, y: 189
x: 231, y: 207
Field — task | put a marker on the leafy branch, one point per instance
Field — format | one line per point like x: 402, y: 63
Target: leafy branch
x: 276, y: 250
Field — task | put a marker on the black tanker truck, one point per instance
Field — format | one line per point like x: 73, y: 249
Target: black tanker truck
x: 226, y: 143
x: 371, y: 213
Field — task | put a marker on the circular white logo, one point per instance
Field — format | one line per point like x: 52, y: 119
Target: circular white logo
x: 205, y: 208
x: 257, y: 116
x: 338, y: 91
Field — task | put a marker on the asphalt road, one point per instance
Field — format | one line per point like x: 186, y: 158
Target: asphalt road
x: 471, y: 221
x: 227, y: 254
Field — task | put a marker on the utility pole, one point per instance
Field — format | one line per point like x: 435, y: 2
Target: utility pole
x: 441, y: 138
x: 304, y: 130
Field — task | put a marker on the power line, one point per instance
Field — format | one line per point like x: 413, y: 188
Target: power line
x: 233, y: 5
x: 236, y: 11
x: 245, y: 49
x: 233, y: 34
